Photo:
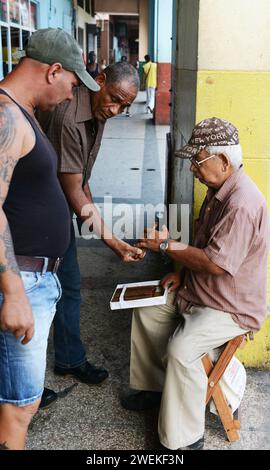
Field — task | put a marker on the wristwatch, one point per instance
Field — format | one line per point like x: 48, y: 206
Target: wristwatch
x: 164, y: 246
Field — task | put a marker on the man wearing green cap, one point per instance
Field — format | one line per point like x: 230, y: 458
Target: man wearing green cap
x: 34, y: 222
x: 219, y: 294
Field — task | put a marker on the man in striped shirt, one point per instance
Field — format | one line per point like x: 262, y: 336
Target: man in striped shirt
x: 220, y: 293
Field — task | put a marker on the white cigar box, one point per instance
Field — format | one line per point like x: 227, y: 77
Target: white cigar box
x: 138, y: 294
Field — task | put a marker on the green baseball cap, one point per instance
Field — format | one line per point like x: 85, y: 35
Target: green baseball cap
x: 50, y: 46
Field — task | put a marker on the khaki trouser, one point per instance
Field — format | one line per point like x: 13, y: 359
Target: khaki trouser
x: 166, y: 351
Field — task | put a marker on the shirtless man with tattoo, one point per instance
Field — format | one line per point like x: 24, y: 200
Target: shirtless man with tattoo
x: 34, y: 223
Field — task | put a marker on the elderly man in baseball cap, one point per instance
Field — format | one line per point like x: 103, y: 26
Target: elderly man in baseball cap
x: 219, y: 293
x: 34, y: 222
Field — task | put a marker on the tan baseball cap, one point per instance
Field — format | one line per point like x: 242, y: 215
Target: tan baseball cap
x: 209, y: 132
x: 50, y: 46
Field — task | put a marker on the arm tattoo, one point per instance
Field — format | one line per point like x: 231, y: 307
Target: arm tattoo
x: 3, y: 446
x: 7, y: 138
x: 9, y: 253
x: 7, y: 164
x: 7, y: 127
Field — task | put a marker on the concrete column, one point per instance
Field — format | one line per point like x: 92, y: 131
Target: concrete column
x: 104, y: 51
x: 163, y: 57
x: 186, y: 12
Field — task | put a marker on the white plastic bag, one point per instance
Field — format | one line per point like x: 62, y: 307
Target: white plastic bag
x: 233, y: 384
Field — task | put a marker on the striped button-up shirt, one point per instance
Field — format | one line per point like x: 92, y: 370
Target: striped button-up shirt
x: 233, y: 230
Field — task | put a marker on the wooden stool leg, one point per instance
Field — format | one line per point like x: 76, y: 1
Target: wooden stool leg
x: 214, y: 391
x: 237, y: 419
x: 215, y: 372
x: 226, y: 416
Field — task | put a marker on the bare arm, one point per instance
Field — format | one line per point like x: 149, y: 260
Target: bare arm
x: 15, y: 314
x: 82, y: 203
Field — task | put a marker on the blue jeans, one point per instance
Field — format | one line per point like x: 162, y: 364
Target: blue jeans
x: 69, y: 350
x: 22, y: 367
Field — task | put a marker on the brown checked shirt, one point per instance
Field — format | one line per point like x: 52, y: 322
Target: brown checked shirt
x: 233, y: 230
x: 74, y: 133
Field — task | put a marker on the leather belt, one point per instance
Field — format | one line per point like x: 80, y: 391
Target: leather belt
x: 38, y: 264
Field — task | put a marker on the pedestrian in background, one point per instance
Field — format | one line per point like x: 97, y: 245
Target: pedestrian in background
x: 150, y: 83
x: 92, y: 65
x: 127, y: 110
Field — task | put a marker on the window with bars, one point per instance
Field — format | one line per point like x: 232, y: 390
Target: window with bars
x: 87, y: 5
x: 18, y: 19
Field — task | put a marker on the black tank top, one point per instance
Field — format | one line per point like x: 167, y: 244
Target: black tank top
x: 36, y: 207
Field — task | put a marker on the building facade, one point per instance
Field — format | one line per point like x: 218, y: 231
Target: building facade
x: 19, y: 18
x: 86, y: 31
x: 119, y: 30
x: 135, y: 28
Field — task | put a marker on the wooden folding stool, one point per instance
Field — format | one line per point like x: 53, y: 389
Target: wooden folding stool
x: 214, y: 373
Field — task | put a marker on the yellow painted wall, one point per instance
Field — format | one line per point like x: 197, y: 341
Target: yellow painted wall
x: 242, y: 97
x: 257, y: 353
